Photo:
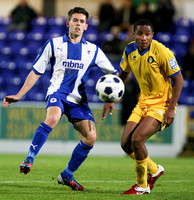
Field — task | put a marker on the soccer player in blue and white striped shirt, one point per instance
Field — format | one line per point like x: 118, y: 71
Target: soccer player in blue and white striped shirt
x: 71, y: 58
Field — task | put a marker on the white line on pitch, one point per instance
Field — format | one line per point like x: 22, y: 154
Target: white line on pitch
x: 171, y: 181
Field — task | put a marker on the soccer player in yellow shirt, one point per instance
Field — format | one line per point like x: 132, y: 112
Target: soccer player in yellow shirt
x: 154, y: 66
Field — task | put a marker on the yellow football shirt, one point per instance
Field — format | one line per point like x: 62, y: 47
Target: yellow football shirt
x: 153, y: 69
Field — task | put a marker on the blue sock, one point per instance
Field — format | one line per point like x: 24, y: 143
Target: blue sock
x: 38, y: 140
x: 79, y: 154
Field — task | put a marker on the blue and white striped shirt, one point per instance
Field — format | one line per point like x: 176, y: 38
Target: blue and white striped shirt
x: 70, y: 66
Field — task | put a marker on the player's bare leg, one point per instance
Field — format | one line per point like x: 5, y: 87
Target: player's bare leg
x: 80, y: 153
x: 52, y: 118
x: 139, y: 136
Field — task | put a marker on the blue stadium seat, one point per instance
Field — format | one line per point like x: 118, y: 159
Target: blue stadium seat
x: 105, y: 36
x: 43, y: 83
x: 182, y: 37
x: 179, y: 51
x: 123, y: 36
x: 186, y: 94
x: 183, y: 24
x: 4, y: 22
x: 23, y: 53
x: 92, y: 36
x: 3, y: 36
x: 57, y: 22
x: 93, y: 22
x: 2, y: 94
x: 52, y: 33
x: 36, y: 36
x: 18, y: 36
x: 39, y: 23
x: 6, y: 52
x: 34, y: 48
x: 35, y: 95
x: 165, y: 38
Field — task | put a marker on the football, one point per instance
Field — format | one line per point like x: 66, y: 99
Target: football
x: 110, y: 88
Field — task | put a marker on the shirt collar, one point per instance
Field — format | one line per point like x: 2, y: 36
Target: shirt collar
x: 66, y: 39
x: 145, y: 51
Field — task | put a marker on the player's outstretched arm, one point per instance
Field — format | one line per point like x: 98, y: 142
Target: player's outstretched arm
x: 30, y: 81
x: 106, y: 108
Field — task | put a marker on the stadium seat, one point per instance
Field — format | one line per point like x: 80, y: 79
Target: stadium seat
x: 123, y: 36
x: 6, y: 52
x: 39, y: 23
x: 34, y: 48
x: 93, y: 22
x: 106, y: 36
x: 23, y: 53
x: 179, y: 51
x: 4, y: 22
x: 184, y: 24
x: 165, y: 38
x: 35, y: 95
x: 3, y: 36
x: 57, y: 23
x: 43, y: 83
x: 52, y: 33
x: 2, y: 94
x: 186, y: 94
x: 92, y: 36
x: 36, y: 36
x: 182, y: 37
x: 18, y: 36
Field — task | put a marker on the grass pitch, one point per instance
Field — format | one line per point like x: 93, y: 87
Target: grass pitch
x: 104, y: 178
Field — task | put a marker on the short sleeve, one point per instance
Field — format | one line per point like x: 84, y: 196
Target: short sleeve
x: 169, y: 63
x: 41, y: 62
x: 124, y: 64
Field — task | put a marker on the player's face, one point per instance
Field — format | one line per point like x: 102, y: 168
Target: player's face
x: 143, y: 36
x: 77, y: 24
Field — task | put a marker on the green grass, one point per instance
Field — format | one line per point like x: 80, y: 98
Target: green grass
x: 103, y: 177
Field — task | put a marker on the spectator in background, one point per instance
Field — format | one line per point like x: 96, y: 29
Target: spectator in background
x: 126, y: 15
x: 107, y: 16
x: 187, y: 64
x: 144, y: 13
x: 111, y: 46
x: 129, y: 38
x: 21, y: 17
x: 164, y: 16
x: 129, y: 99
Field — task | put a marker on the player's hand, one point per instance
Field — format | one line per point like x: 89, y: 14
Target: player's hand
x: 10, y: 99
x: 169, y: 117
x: 106, y: 108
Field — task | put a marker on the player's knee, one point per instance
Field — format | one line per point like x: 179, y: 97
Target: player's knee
x: 137, y: 140
x: 89, y: 138
x: 123, y: 145
x: 52, y: 121
x: 92, y: 138
x: 126, y: 146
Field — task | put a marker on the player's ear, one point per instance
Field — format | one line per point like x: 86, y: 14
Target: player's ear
x: 86, y: 27
x: 67, y: 23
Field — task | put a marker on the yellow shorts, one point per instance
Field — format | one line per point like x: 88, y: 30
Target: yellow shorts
x: 156, y: 111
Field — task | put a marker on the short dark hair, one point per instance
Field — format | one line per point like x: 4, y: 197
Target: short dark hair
x: 78, y: 10
x: 143, y: 22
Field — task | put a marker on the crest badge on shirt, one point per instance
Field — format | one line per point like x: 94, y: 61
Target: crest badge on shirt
x: 150, y: 59
x: 53, y: 100
x: 173, y: 64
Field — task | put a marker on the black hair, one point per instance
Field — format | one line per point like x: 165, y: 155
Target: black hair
x: 143, y: 22
x: 78, y: 10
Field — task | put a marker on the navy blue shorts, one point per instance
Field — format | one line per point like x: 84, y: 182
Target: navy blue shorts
x: 71, y: 110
